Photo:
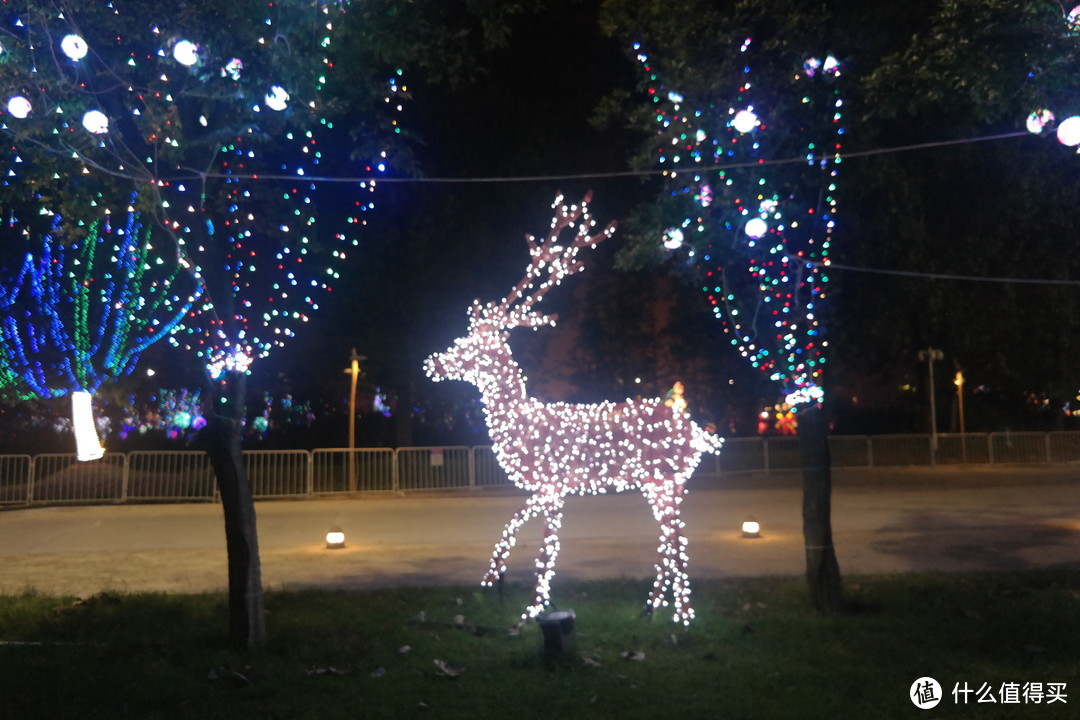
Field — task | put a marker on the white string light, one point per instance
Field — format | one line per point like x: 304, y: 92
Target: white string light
x: 559, y: 449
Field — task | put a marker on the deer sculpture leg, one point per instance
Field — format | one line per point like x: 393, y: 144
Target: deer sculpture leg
x: 671, y: 572
x: 532, y: 507
x: 545, y: 561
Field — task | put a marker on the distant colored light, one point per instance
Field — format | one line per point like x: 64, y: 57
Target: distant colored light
x: 19, y: 106
x: 744, y: 121
x: 832, y: 65
x: 756, y: 227
x: 1038, y: 120
x: 1068, y: 131
x: 96, y: 122
x: 186, y: 53
x: 74, y: 47
x: 277, y: 98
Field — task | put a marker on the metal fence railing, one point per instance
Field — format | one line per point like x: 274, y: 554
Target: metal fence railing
x: 186, y: 475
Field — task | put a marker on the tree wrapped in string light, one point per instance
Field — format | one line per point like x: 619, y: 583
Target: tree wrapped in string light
x: 557, y: 449
x: 758, y: 235
x: 753, y: 185
x: 218, y: 117
x: 78, y: 315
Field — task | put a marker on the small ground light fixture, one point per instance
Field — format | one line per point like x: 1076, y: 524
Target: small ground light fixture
x: 335, y: 539
x: 751, y: 528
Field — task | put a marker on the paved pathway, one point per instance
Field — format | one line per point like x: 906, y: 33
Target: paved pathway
x: 884, y: 520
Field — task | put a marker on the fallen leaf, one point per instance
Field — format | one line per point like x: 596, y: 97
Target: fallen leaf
x: 590, y: 662
x: 459, y: 620
x: 378, y: 672
x: 404, y: 649
x: 632, y: 655
x: 223, y: 673
x: 445, y: 670
x: 330, y: 670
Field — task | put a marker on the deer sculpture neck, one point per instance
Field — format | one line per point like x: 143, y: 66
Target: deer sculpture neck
x: 557, y: 449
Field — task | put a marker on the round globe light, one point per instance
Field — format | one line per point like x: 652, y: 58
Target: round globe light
x: 96, y: 122
x: 186, y: 53
x: 756, y: 227
x: 1038, y: 120
x: 673, y: 238
x: 19, y: 106
x: 744, y: 121
x: 277, y: 98
x: 74, y: 47
x: 1068, y: 131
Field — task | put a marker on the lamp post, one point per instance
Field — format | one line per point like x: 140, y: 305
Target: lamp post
x: 930, y: 355
x: 959, y: 381
x: 354, y: 371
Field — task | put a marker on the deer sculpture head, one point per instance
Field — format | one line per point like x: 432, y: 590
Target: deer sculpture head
x: 560, y: 449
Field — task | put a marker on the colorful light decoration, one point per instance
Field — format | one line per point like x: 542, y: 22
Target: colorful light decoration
x: 79, y: 314
x: 764, y: 264
x: 1038, y: 121
x: 558, y: 449
x: 231, y: 185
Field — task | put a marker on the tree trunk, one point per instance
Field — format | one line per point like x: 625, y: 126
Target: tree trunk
x: 247, y: 621
x: 822, y: 570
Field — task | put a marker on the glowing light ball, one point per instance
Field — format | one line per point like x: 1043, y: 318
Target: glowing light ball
x: 756, y: 227
x: 74, y: 47
x: 751, y: 528
x: 96, y: 122
x: 277, y: 98
x: 186, y: 53
x: 831, y: 66
x: 19, y: 106
x: 744, y: 120
x: 673, y: 238
x: 1068, y: 131
x: 1038, y: 120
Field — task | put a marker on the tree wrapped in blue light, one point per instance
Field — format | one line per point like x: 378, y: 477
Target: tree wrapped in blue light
x: 79, y: 313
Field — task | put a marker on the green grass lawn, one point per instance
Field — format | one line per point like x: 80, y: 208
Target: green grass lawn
x: 756, y: 651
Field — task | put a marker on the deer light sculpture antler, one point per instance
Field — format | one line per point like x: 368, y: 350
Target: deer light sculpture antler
x: 559, y: 449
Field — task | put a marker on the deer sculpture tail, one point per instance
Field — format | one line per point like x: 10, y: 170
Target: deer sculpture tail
x: 706, y: 440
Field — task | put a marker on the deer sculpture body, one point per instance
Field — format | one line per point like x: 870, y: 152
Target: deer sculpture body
x: 557, y: 449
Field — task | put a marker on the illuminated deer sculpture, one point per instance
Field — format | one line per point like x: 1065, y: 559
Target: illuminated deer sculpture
x: 559, y: 449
